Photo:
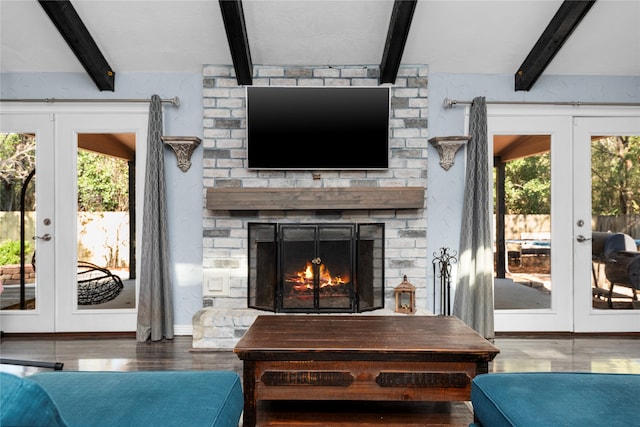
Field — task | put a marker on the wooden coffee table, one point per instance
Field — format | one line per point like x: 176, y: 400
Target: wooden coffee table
x: 358, y: 357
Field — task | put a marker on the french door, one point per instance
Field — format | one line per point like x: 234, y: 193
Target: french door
x: 29, y: 308
x: 64, y: 295
x: 548, y: 305
x: 607, y: 157
x: 567, y: 299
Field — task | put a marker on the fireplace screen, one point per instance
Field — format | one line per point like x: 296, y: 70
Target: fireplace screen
x: 314, y: 268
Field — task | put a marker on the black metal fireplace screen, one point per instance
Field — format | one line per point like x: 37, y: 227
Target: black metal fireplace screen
x: 316, y: 268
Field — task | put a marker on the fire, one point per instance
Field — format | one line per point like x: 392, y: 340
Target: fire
x: 303, y: 280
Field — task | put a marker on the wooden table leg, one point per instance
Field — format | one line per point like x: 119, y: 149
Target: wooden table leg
x: 249, y: 384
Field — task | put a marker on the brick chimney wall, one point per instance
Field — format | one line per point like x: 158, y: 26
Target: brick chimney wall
x: 225, y: 316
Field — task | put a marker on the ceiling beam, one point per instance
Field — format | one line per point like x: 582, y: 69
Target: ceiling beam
x: 233, y: 17
x: 548, y: 45
x: 75, y: 33
x: 399, y: 26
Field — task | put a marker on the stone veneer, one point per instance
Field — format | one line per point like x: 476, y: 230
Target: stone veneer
x: 225, y: 316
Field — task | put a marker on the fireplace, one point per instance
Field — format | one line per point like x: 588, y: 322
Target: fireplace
x: 316, y: 268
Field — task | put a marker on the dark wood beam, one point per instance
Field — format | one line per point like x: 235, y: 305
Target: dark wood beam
x: 233, y: 17
x: 548, y: 45
x: 399, y: 26
x: 75, y: 33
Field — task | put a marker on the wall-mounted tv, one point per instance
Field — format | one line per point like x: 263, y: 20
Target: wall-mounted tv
x: 318, y: 127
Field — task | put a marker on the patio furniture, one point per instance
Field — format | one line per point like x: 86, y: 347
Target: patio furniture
x: 96, y: 285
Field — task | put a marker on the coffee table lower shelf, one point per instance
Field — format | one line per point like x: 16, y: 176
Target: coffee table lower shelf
x: 351, y: 413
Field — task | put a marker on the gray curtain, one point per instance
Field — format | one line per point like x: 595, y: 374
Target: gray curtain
x: 473, y: 302
x: 155, y: 306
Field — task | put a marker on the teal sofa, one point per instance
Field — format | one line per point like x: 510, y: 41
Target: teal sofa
x: 101, y: 399
x: 555, y: 399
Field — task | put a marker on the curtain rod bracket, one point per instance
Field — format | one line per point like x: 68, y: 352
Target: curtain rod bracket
x: 449, y: 103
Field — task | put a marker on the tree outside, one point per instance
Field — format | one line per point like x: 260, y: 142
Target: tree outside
x: 103, y: 196
x: 615, y: 169
x: 528, y: 185
x: 103, y: 187
x: 17, y: 161
x: 103, y: 183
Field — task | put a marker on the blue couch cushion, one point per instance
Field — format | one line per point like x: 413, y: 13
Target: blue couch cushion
x: 556, y: 399
x: 162, y: 398
x: 24, y: 403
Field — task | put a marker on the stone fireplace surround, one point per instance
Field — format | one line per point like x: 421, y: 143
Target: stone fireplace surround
x: 224, y: 316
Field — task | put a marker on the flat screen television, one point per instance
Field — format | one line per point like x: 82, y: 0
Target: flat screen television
x: 318, y: 127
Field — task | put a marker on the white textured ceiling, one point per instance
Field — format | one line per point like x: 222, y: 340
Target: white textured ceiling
x: 478, y: 36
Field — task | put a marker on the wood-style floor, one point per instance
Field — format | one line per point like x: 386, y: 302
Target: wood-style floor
x: 534, y: 353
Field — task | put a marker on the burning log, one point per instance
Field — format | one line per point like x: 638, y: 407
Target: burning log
x: 306, y: 279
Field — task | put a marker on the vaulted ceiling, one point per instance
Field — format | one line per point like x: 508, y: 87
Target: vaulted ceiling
x: 524, y: 38
x: 480, y: 37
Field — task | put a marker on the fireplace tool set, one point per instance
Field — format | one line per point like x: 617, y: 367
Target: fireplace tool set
x: 442, y: 270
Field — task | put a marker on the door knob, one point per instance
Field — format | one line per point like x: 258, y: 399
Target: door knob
x: 581, y: 238
x: 46, y: 237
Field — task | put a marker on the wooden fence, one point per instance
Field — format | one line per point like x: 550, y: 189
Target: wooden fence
x: 103, y: 237
x: 517, y: 226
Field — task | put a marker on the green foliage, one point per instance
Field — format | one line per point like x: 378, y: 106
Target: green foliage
x: 528, y: 185
x: 615, y: 185
x: 10, y: 251
x: 103, y: 183
x: 615, y: 171
x: 17, y: 160
x: 102, y: 180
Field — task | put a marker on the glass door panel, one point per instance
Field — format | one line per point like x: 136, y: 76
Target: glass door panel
x: 606, y: 233
x: 532, y: 285
x: 101, y: 160
x: 106, y: 174
x: 26, y: 223
x: 615, y: 213
x: 18, y: 218
x: 523, y: 222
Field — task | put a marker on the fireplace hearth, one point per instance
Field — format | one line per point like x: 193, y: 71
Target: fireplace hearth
x: 316, y: 268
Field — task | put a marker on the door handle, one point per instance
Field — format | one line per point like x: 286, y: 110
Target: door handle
x: 46, y: 237
x: 581, y: 238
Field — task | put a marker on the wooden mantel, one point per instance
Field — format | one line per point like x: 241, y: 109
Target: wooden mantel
x: 253, y: 199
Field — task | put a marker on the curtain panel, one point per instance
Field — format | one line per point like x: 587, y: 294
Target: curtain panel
x: 155, y: 307
x: 473, y: 303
